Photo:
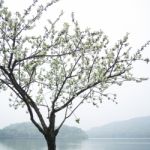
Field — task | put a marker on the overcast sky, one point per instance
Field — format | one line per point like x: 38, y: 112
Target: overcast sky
x: 115, y: 18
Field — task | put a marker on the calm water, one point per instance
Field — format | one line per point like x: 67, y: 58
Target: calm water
x: 90, y: 144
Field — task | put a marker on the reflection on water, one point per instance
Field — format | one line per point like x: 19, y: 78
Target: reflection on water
x: 22, y: 144
x: 37, y: 144
x: 117, y: 144
x: 70, y: 145
x: 90, y: 144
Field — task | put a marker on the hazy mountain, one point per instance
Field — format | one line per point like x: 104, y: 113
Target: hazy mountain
x: 133, y: 128
x: 28, y: 130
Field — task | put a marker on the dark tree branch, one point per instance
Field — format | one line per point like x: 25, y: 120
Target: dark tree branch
x: 12, y: 88
x: 67, y: 116
x: 28, y: 101
x: 32, y: 117
x: 85, y: 89
x: 10, y: 60
x: 69, y: 76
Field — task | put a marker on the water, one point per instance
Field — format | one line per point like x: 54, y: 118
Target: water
x: 89, y: 144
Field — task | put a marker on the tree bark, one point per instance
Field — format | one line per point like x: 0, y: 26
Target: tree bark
x: 51, y: 142
x: 51, y: 133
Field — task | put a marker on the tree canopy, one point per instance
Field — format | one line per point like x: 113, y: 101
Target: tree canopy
x: 53, y: 70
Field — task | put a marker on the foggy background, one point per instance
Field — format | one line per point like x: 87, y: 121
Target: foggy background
x: 115, y: 18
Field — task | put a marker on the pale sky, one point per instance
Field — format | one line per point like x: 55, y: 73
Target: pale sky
x: 115, y: 18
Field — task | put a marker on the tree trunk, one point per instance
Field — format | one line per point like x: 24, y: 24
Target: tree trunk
x: 51, y: 134
x: 51, y: 143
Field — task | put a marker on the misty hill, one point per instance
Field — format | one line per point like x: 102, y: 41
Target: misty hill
x: 133, y: 128
x: 28, y: 130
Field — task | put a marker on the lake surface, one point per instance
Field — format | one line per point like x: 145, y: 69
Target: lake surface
x: 89, y: 144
